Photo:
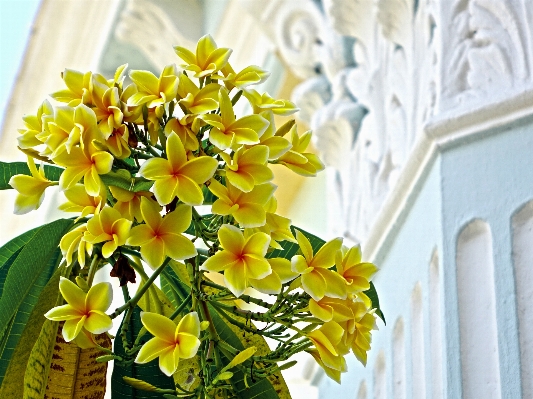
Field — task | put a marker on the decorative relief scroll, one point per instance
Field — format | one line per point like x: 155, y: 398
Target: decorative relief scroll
x: 367, y: 112
x: 150, y: 27
x: 378, y: 70
x: 488, y: 54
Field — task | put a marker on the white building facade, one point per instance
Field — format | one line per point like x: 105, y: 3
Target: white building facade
x: 423, y: 112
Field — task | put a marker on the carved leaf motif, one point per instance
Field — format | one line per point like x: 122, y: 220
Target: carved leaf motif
x: 352, y: 18
x: 395, y: 17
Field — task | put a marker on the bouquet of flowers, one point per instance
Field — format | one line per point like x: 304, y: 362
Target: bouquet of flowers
x: 170, y: 187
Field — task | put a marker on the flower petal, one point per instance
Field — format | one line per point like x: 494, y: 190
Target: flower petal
x: 314, y: 284
x: 220, y: 261
x: 73, y: 294
x: 178, y: 247
x: 168, y: 363
x: 199, y: 169
x: 72, y: 328
x: 99, y: 297
x: 98, y: 322
x: 270, y: 284
x: 236, y: 279
x: 231, y: 239
x: 153, y: 252
x: 188, y: 344
x: 159, y: 326
x: 152, y: 349
x: 64, y: 312
x: 325, y: 257
x: 188, y: 191
x: 178, y: 220
x: 190, y: 324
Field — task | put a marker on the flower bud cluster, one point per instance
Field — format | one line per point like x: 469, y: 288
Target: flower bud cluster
x: 137, y: 160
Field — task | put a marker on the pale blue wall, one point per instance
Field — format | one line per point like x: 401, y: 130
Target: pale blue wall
x: 488, y: 176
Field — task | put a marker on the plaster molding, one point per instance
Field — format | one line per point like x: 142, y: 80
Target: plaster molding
x: 149, y: 27
x: 410, y: 63
x: 439, y: 134
x: 368, y: 109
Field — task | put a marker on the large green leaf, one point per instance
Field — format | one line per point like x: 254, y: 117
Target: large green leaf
x: 7, y: 170
x: 290, y: 249
x: 273, y: 387
x: 28, y: 272
x: 13, y: 384
x: 149, y: 372
x: 15, y: 244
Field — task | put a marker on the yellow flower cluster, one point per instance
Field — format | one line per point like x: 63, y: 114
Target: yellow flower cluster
x: 136, y: 162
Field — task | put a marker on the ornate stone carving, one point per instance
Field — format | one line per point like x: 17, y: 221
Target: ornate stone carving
x: 149, y: 27
x: 490, y: 53
x: 375, y: 104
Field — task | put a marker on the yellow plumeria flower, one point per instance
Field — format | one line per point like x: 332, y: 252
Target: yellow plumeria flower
x: 161, y: 237
x: 176, y: 176
x: 303, y: 163
x: 34, y: 125
x: 208, y: 58
x: 196, y: 100
x: 242, y: 258
x: 154, y: 91
x: 69, y: 127
x: 184, y: 132
x: 117, y: 142
x: 229, y: 132
x: 248, y: 168
x: 74, y: 241
x: 358, y: 336
x: 78, y: 88
x: 79, y: 201
x: 30, y: 188
x: 83, y: 310
x: 132, y: 113
x: 326, y: 340
x: 335, y: 375
x: 262, y: 102
x: 247, y: 208
x: 356, y: 273
x: 251, y: 75
x: 276, y: 226
x: 281, y: 274
x: 328, y: 309
x: 87, y: 163
x: 108, y: 107
x: 317, y: 280
x: 129, y: 202
x: 276, y: 143
x: 110, y: 227
x: 171, y: 342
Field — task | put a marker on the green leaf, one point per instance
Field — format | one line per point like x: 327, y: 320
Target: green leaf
x: 274, y: 386
x: 12, y: 334
x: 28, y: 272
x: 290, y: 249
x: 149, y: 372
x: 373, y: 295
x: 209, y: 197
x: 124, y: 180
x: 12, y: 385
x: 7, y: 170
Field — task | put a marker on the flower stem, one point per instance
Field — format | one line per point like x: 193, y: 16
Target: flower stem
x: 137, y: 297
